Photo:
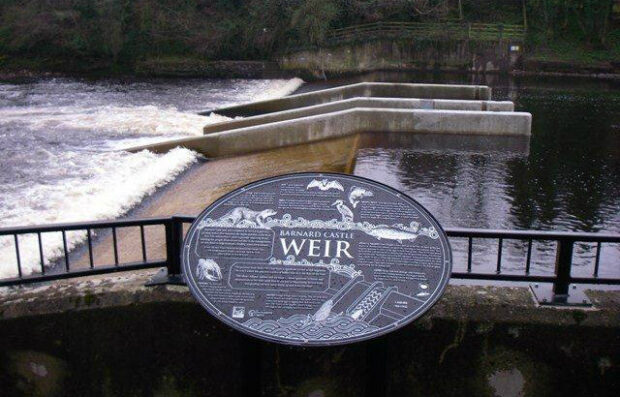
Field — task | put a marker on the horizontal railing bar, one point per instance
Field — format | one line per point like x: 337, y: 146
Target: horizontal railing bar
x: 533, y: 234
x: 502, y: 277
x: 595, y: 280
x: 532, y: 278
x: 81, y: 273
x: 57, y: 227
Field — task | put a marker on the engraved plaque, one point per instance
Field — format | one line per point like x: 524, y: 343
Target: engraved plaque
x: 316, y: 259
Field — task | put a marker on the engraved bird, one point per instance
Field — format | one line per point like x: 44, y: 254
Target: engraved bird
x: 357, y: 193
x: 325, y: 184
x: 345, y: 212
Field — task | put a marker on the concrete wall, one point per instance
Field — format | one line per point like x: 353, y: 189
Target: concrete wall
x: 384, y: 90
x: 445, y: 55
x: 347, y: 122
x: 111, y: 336
x: 393, y: 103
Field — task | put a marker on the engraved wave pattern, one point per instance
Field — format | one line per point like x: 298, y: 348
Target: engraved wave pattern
x: 287, y: 221
x: 302, y: 327
x: 334, y: 265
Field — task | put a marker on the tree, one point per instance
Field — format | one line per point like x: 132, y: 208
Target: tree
x: 313, y: 19
x: 592, y: 17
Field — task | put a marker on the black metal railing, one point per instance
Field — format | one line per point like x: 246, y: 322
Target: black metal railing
x: 172, y: 229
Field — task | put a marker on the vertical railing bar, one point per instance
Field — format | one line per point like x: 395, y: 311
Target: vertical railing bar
x: 174, y: 238
x: 597, y: 259
x: 64, y: 247
x: 19, y: 261
x: 563, y: 264
x: 90, y: 248
x: 469, y: 248
x: 143, y: 240
x: 41, y: 253
x: 114, y: 243
x: 499, y: 256
x: 529, y: 257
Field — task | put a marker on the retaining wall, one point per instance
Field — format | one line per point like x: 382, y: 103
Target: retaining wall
x: 110, y: 335
x: 407, y: 54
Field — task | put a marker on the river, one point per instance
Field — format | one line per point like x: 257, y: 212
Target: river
x: 59, y: 163
x: 59, y: 141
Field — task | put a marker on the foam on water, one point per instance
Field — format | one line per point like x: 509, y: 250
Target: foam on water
x: 59, y: 141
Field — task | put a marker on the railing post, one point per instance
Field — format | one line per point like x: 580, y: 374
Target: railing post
x: 174, y: 244
x: 563, y: 260
x: 559, y: 293
x: 174, y: 241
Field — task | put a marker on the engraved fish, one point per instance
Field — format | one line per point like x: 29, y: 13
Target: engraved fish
x: 357, y: 314
x: 357, y: 193
x: 390, y: 233
x: 424, y: 292
x: 324, y: 311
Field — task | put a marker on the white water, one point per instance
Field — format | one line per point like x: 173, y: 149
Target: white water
x: 59, y: 141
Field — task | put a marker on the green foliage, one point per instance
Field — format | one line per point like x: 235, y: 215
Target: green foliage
x: 313, y: 19
x: 585, y: 20
x: 122, y: 32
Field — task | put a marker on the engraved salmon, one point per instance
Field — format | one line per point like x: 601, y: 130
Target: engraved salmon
x: 390, y: 233
x: 324, y: 311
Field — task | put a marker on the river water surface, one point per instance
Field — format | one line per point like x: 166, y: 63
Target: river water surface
x: 59, y: 141
x: 565, y: 177
x: 59, y: 163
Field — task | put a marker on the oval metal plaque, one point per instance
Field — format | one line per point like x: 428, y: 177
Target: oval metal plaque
x: 316, y: 259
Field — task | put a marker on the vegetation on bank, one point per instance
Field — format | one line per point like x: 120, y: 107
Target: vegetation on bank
x: 72, y: 35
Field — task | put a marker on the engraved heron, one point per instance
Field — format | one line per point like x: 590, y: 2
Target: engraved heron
x: 345, y: 212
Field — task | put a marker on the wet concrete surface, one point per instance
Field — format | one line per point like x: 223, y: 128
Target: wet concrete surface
x: 205, y: 182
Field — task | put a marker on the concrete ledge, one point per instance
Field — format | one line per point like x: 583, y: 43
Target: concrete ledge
x: 347, y: 122
x: 393, y: 103
x: 110, y: 335
x: 383, y: 90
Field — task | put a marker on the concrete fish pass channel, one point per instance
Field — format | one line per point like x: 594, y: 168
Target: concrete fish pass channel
x: 352, y: 109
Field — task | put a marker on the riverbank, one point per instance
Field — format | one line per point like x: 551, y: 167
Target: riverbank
x: 196, y: 68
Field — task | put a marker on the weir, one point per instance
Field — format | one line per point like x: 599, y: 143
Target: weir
x: 380, y: 90
x: 353, y: 109
x: 349, y: 122
x: 361, y: 102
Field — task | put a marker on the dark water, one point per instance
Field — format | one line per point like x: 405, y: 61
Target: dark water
x: 566, y: 176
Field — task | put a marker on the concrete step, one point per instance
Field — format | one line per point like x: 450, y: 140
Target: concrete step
x: 348, y: 122
x: 362, y: 102
x: 376, y: 90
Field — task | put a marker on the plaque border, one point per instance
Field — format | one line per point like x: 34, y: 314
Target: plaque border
x: 215, y: 312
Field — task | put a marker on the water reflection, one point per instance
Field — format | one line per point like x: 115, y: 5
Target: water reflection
x: 565, y: 177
